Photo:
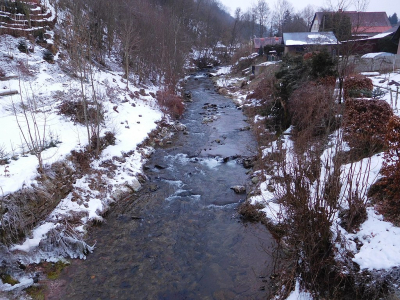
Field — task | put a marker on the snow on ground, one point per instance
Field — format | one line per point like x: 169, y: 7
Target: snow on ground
x: 381, y: 240
x: 129, y: 114
x: 380, y: 248
x: 390, y: 84
x: 381, y: 243
x: 298, y: 294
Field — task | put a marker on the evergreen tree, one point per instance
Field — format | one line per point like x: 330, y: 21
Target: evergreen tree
x: 393, y: 19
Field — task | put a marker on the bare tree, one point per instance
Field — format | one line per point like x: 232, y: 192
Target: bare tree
x: 262, y: 14
x: 337, y: 5
x: 32, y: 126
x: 360, y: 5
x: 236, y: 28
x: 280, y: 9
x: 308, y: 14
x: 129, y: 37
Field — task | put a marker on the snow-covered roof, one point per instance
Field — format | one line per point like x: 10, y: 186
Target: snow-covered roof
x: 389, y: 32
x: 309, y: 38
x: 378, y: 55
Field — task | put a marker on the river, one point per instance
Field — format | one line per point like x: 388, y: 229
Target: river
x: 181, y: 237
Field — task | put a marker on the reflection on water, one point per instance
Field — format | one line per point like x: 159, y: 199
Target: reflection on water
x: 184, y: 240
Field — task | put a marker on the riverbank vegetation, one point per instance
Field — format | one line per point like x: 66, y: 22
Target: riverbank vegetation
x: 322, y: 182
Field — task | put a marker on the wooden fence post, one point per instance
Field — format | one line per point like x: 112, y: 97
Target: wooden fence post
x: 391, y: 98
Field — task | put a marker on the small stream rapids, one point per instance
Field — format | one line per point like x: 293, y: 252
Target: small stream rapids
x: 182, y: 238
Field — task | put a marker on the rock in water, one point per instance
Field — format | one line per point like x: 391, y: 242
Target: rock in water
x: 239, y: 189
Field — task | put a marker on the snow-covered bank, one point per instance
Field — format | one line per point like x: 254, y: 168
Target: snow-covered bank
x: 130, y: 114
x: 374, y: 244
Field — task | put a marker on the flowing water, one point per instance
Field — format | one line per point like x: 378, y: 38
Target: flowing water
x: 182, y: 237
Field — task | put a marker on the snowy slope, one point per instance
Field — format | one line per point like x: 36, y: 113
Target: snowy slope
x: 127, y: 113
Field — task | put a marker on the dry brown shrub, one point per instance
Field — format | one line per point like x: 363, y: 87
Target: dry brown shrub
x: 75, y: 111
x: 105, y: 141
x: 170, y: 103
x: 329, y: 81
x: 313, y: 109
x: 264, y: 89
x: 81, y: 159
x: 23, y: 68
x: 22, y: 210
x: 365, y: 122
x: 357, y: 86
x: 390, y: 204
x: 251, y: 212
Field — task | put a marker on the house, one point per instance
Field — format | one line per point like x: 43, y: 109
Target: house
x: 266, y: 41
x: 363, y: 24
x: 381, y: 42
x: 396, y: 39
x: 300, y: 42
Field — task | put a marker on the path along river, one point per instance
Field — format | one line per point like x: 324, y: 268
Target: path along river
x: 182, y: 238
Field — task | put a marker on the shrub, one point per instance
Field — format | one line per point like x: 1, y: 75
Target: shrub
x: 170, y: 103
x: 269, y: 104
x: 391, y: 169
x: 251, y: 213
x: 241, y: 60
x: 357, y: 87
x: 313, y: 109
x: 81, y: 159
x: 23, y: 68
x: 322, y: 65
x: 75, y: 110
x: 105, y: 141
x: 365, y: 122
x: 23, y: 46
x: 293, y: 73
x: 48, y: 56
x: 329, y: 81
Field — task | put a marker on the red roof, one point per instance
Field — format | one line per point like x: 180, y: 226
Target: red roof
x: 377, y: 29
x: 368, y: 22
x: 262, y: 42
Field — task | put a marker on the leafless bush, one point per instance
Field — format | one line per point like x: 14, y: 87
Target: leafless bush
x: 251, y: 212
x: 4, y: 155
x: 105, y: 141
x: 170, y: 103
x: 81, y: 159
x: 23, y: 68
x: 310, y: 210
x: 238, y: 59
x: 76, y: 112
x: 265, y: 89
x: 22, y: 210
x: 313, y: 110
x: 242, y: 63
x: 311, y: 204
